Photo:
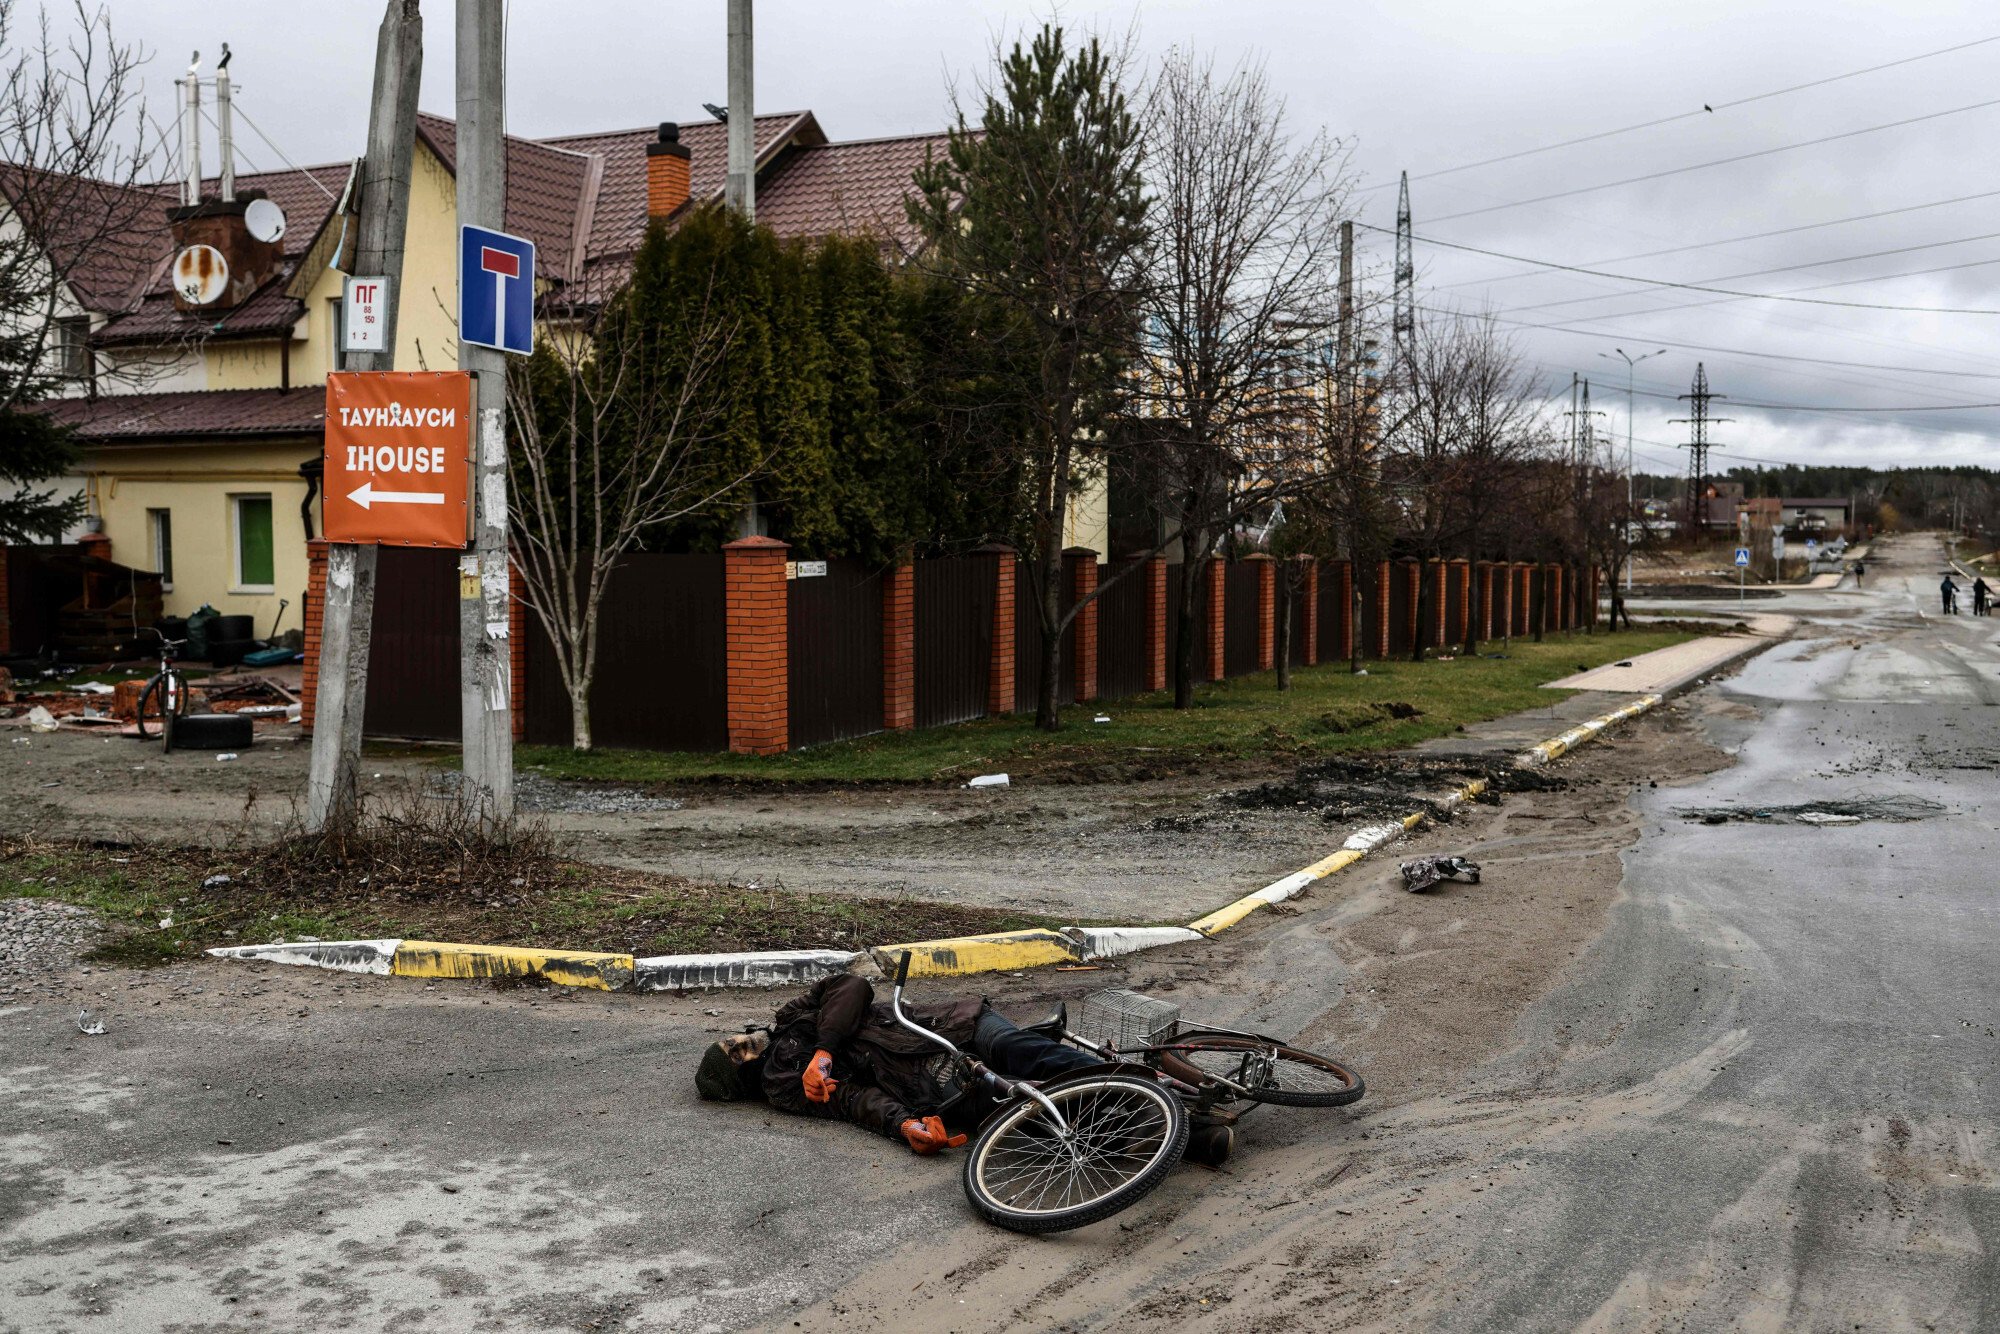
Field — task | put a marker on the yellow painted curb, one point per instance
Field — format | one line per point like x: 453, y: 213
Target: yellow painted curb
x: 1007, y: 951
x: 565, y: 968
x: 1228, y: 915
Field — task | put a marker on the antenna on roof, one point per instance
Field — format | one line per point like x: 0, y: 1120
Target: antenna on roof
x: 225, y: 131
x: 191, y: 132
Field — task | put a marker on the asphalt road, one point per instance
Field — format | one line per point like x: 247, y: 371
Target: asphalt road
x: 1783, y: 1050
x: 1756, y: 1090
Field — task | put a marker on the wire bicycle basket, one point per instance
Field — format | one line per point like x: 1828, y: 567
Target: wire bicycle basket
x: 1126, y: 1019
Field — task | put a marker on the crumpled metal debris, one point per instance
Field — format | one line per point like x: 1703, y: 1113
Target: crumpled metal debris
x: 1423, y: 872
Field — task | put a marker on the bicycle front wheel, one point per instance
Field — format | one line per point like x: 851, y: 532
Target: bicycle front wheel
x: 1124, y: 1134
x: 1266, y: 1071
x: 164, y: 699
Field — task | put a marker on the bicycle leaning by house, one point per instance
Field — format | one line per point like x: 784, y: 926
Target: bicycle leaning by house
x: 1075, y: 1150
x: 165, y: 699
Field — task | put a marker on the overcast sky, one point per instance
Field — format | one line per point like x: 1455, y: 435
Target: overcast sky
x: 1413, y: 86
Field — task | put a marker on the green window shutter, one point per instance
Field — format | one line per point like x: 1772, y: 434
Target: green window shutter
x: 254, y: 561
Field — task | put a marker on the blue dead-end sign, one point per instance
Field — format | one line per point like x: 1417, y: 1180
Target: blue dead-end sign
x: 1743, y: 555
x: 496, y: 290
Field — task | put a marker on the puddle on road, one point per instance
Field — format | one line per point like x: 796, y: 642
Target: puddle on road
x: 1897, y: 810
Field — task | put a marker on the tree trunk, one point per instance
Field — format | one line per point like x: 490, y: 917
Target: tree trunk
x: 1282, y: 613
x: 579, y: 717
x: 1048, y: 712
x: 1357, y: 611
x: 1538, y: 600
x: 1472, y: 605
x: 1419, y: 640
x: 1184, y: 635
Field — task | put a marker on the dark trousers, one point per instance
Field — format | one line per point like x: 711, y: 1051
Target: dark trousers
x: 1018, y: 1054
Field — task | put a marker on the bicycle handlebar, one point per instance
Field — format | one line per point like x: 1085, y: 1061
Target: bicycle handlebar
x: 903, y: 970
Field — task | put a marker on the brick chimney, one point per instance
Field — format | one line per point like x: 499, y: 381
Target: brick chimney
x: 667, y: 171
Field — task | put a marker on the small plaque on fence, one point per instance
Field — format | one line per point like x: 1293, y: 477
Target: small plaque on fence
x: 805, y: 569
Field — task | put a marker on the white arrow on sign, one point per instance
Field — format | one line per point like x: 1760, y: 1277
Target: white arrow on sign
x: 365, y: 495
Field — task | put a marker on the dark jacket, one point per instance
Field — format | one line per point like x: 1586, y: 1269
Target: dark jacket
x: 887, y: 1074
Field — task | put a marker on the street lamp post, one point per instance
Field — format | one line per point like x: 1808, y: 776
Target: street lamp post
x: 1630, y: 363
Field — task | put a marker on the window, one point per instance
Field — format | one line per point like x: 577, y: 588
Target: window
x: 162, y: 524
x: 254, y: 559
x: 73, y: 357
x: 336, y: 316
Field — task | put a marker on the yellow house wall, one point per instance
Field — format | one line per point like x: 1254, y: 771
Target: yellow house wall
x: 196, y: 484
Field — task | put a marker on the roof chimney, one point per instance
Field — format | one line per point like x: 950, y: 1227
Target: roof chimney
x: 667, y: 169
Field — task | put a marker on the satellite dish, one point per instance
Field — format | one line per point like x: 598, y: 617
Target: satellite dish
x: 265, y: 220
x: 200, y: 274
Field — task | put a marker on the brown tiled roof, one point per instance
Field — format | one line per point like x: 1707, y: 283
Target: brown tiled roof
x: 620, y: 221
x: 848, y: 187
x: 269, y: 312
x: 547, y: 191
x: 106, y: 239
x: 203, y: 414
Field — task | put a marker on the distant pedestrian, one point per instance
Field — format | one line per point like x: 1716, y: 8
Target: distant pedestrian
x: 1982, y: 598
x: 1948, y: 590
x: 1860, y: 568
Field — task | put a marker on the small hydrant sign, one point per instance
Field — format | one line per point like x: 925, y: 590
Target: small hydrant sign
x: 363, y: 315
x: 397, y: 450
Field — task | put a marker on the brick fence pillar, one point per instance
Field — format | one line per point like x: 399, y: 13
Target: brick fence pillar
x: 1312, y: 611
x: 757, y: 621
x: 1413, y: 573
x: 1482, y: 594
x: 1441, y: 595
x: 1524, y: 602
x: 1080, y: 570
x: 1385, y: 573
x: 1558, y: 609
x: 1156, y: 622
x: 899, y: 648
x: 1218, y: 584
x: 1461, y: 577
x: 1000, y: 662
x: 1267, y: 611
x: 315, y: 617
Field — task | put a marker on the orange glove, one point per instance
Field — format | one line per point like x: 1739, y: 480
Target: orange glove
x: 928, y: 1135
x: 818, y: 1078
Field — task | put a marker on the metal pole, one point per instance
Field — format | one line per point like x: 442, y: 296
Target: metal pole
x: 485, y: 709
x: 740, y: 186
x: 191, y: 135
x: 225, y: 134
x: 346, y: 625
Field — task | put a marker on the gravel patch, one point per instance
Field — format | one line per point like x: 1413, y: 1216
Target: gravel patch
x: 546, y: 796
x: 40, y: 939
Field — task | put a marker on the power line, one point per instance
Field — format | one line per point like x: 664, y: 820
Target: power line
x: 1810, y: 264
x: 1698, y: 287
x: 1722, y: 161
x: 1808, y: 407
x: 1707, y: 109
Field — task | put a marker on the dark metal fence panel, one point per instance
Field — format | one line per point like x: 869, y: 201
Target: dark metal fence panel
x: 1028, y: 646
x: 1524, y: 601
x: 1374, y: 614
x: 662, y: 680
x: 1454, y: 604
x: 1401, y: 611
x: 1332, y: 609
x: 1295, y: 598
x: 953, y: 638
x: 413, y: 654
x: 1124, y: 667
x: 835, y: 653
x: 1239, y: 618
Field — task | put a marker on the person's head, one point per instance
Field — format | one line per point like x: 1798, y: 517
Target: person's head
x: 733, y: 1069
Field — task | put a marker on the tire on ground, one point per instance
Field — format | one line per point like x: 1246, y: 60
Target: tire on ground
x: 213, y: 731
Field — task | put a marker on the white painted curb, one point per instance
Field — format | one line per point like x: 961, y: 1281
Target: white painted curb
x: 768, y: 968
x: 349, y: 956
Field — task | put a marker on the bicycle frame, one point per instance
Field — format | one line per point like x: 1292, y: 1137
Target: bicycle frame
x: 998, y: 1083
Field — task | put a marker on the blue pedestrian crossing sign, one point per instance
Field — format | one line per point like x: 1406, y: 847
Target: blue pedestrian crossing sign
x: 1743, y: 555
x: 496, y: 290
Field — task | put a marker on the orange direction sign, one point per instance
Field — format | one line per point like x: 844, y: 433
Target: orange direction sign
x: 397, y: 446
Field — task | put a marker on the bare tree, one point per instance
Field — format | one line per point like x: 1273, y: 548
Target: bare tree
x: 1239, y: 301
x: 1502, y: 431
x: 82, y: 233
x: 610, y: 427
x: 1342, y: 508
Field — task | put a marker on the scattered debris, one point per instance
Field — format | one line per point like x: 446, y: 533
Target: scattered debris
x: 41, y: 719
x: 1423, y: 872
x: 215, y: 880
x: 989, y: 780
x: 89, y: 1024
x: 226, y: 755
x: 1346, y: 788
x: 1896, y: 810
x: 1102, y: 718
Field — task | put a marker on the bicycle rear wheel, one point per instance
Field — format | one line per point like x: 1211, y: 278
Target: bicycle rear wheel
x: 1266, y: 1071
x: 1125, y: 1134
x: 164, y: 699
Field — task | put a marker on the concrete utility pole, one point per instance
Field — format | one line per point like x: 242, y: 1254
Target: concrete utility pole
x: 1630, y: 500
x: 346, y: 625
x: 1350, y: 407
x: 740, y: 189
x: 485, y: 710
